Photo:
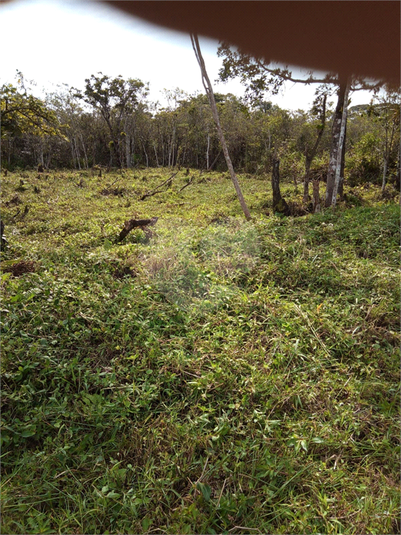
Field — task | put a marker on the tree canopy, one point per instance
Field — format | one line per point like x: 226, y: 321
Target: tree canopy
x: 22, y: 113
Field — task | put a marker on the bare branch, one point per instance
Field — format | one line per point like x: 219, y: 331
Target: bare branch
x: 156, y: 190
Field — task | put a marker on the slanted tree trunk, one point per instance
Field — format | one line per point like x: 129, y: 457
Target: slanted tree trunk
x: 214, y: 161
x: 338, y: 140
x: 209, y: 92
x: 279, y: 204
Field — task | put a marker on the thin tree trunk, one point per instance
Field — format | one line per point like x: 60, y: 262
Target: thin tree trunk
x: 207, y: 151
x: 342, y: 170
x: 316, y: 196
x: 115, y: 145
x: 398, y: 175
x: 41, y: 153
x: 341, y: 151
x: 338, y: 138
x: 128, y: 150
x: 157, y: 161
x: 388, y: 147
x: 78, y: 156
x: 8, y: 152
x: 146, y: 154
x: 214, y: 161
x: 279, y: 204
x: 72, y: 154
x: 209, y: 91
x: 85, y: 153
x: 171, y: 149
x: 384, y: 181
x: 48, y: 158
x: 308, y: 163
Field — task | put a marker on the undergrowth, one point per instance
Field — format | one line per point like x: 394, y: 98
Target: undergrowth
x: 212, y: 376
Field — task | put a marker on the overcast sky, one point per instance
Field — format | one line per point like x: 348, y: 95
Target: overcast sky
x: 65, y: 41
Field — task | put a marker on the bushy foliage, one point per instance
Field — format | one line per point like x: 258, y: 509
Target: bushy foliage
x: 363, y: 163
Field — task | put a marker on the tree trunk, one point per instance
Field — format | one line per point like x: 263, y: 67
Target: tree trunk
x: 48, y: 158
x: 77, y: 154
x: 209, y: 92
x: 316, y: 196
x: 214, y: 161
x: 41, y: 159
x: 127, y: 150
x: 387, y: 152
x: 85, y: 153
x: 171, y: 149
x: 146, y: 156
x: 310, y: 157
x: 308, y: 163
x: 397, y: 176
x: 207, y: 151
x: 279, y: 204
x: 157, y: 161
x: 384, y: 179
x: 342, y: 169
x: 338, y: 139
x: 115, y: 145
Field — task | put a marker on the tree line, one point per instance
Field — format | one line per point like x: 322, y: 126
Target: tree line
x: 112, y: 123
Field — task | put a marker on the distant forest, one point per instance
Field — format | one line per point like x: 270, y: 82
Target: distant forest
x: 112, y: 124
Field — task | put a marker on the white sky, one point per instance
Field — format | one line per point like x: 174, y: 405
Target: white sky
x: 65, y: 41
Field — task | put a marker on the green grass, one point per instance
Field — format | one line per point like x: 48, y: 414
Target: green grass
x: 219, y: 376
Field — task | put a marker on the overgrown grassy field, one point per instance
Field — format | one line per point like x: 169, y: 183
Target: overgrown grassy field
x: 210, y: 376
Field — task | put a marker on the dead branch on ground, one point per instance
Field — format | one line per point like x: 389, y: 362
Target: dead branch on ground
x: 136, y: 223
x: 156, y: 190
x: 187, y: 184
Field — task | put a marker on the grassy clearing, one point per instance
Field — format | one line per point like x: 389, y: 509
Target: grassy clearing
x: 220, y: 376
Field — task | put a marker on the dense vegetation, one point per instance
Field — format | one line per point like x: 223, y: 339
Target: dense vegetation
x: 210, y: 375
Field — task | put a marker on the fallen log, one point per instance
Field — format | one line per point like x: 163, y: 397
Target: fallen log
x: 130, y: 224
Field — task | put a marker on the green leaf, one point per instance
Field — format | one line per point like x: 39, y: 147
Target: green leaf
x: 113, y: 494
x: 205, y: 490
x: 28, y: 432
